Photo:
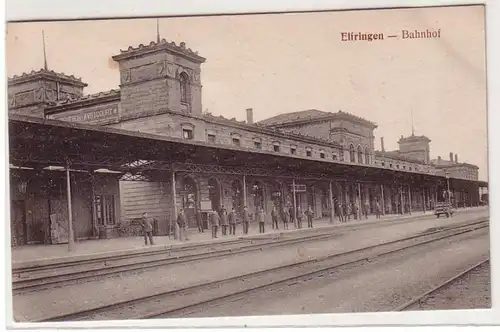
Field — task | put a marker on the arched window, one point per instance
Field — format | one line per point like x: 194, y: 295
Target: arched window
x: 352, y: 154
x: 367, y: 156
x: 360, y: 155
x: 184, y: 82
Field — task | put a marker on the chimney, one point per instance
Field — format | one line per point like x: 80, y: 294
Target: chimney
x: 456, y: 158
x: 451, y: 156
x: 382, y: 144
x: 439, y: 159
x: 249, y: 116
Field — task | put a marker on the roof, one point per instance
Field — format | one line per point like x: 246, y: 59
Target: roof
x: 162, y: 45
x: 398, y: 156
x: 36, y: 142
x: 97, y: 98
x: 294, y: 116
x: 47, y: 74
x: 414, y: 138
x: 269, y: 131
x: 311, y: 115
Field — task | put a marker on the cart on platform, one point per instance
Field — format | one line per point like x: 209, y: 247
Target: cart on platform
x: 443, y: 209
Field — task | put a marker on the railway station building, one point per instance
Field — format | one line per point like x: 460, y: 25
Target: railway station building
x: 179, y: 157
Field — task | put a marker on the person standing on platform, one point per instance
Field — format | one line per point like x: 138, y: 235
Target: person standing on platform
x: 309, y: 214
x: 340, y: 212
x: 377, y: 209
x: 300, y: 216
x: 347, y: 209
x: 354, y: 210
x: 232, y: 222
x: 293, y: 217
x: 199, y: 222
x: 214, y: 223
x: 261, y: 217
x: 286, y: 218
x: 367, y: 208
x: 181, y: 222
x: 147, y: 229
x: 223, y: 220
x: 246, y: 220
x: 274, y: 218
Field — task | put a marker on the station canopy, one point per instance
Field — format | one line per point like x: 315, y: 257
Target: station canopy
x: 37, y: 143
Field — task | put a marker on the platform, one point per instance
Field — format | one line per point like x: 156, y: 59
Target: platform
x: 88, y: 249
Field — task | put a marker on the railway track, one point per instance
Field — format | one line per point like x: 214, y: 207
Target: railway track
x: 416, y: 301
x: 35, y: 278
x: 183, y: 301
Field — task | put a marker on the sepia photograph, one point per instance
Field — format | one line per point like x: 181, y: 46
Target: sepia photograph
x: 290, y: 163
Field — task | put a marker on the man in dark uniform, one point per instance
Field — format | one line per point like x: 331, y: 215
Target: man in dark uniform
x: 274, y: 217
x: 147, y: 229
x: 214, y: 223
x: 246, y: 220
x: 286, y: 218
x: 309, y: 214
x: 293, y: 217
x: 181, y: 222
x: 223, y: 220
x: 232, y: 222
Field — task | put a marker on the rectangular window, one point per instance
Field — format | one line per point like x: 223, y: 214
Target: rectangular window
x: 308, y: 153
x: 104, y: 206
x: 293, y: 150
x: 236, y: 141
x: 276, y: 148
x: 334, y: 157
x: 322, y: 155
x: 187, y: 133
x: 257, y: 145
x: 383, y: 164
x: 211, y: 138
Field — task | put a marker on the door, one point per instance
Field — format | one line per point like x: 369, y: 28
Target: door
x: 18, y: 222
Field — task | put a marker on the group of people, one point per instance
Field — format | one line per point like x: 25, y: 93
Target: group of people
x: 344, y: 211
x: 228, y: 221
x: 223, y: 220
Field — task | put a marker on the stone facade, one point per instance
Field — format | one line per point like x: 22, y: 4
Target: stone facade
x: 354, y: 135
x: 415, y: 147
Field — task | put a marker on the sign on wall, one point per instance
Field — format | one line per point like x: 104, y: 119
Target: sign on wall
x: 88, y: 116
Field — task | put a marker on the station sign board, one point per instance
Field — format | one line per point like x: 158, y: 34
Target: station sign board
x: 299, y: 188
x: 94, y: 115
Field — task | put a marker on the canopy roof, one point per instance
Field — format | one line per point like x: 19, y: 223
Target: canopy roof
x: 36, y: 142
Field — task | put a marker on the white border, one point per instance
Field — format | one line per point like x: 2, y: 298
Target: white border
x: 66, y: 9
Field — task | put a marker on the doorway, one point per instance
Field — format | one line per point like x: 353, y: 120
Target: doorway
x: 18, y: 223
x: 190, y: 200
x: 214, y: 193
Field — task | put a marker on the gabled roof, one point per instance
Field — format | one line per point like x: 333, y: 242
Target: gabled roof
x: 397, y: 155
x: 311, y: 115
x: 294, y: 116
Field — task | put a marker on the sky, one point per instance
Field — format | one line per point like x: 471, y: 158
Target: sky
x: 279, y: 63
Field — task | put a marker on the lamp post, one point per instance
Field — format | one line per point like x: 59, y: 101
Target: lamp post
x: 448, y: 185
